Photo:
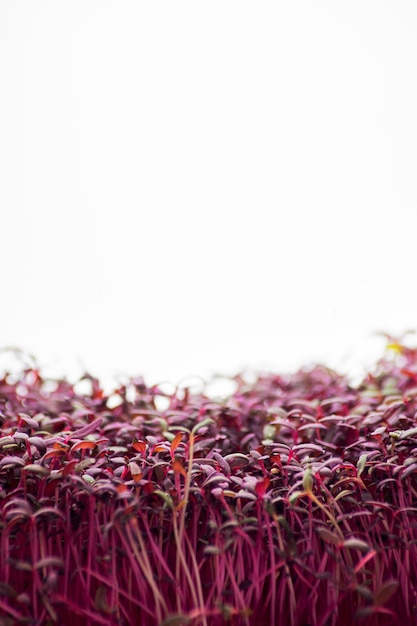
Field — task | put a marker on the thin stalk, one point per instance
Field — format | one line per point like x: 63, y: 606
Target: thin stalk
x: 186, y: 570
x: 143, y: 562
x: 197, y: 576
x: 287, y: 575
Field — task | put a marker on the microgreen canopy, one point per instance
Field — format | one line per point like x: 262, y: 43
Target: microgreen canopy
x: 293, y: 501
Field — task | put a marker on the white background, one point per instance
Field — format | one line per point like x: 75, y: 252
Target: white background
x: 189, y: 187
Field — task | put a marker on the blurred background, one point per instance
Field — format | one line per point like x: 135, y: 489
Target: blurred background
x: 189, y: 188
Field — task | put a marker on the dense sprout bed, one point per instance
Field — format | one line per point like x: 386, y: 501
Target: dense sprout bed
x: 291, y: 502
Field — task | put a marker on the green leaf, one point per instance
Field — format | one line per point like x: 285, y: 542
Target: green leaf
x: 7, y: 591
x: 88, y: 479
x: 328, y: 536
x: 386, y: 591
x: 364, y: 591
x: 361, y: 463
x: 82, y: 465
x: 100, y: 600
x: 343, y: 494
x: 295, y: 496
x: 249, y: 520
x: 308, y: 480
x: 35, y: 468
x: 408, y: 433
x: 50, y: 561
x: 356, y: 544
x: 165, y: 497
x: 211, y: 550
x: 202, y: 424
x: 176, y: 620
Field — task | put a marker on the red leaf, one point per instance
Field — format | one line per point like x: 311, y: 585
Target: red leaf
x: 53, y: 454
x: 139, y: 446
x: 69, y: 467
x: 176, y: 442
x: 262, y: 486
x: 83, y: 445
x: 178, y: 468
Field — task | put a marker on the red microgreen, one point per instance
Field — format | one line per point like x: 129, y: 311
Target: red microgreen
x: 293, y: 501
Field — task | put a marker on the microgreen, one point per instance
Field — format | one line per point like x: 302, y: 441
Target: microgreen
x: 293, y: 501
